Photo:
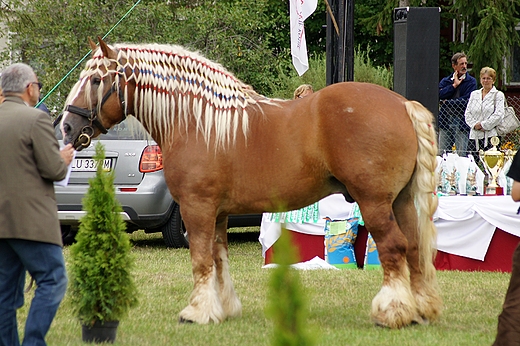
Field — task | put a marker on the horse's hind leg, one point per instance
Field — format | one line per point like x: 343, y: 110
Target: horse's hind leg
x: 423, y: 280
x: 205, y: 303
x: 230, y: 302
x: 394, y: 306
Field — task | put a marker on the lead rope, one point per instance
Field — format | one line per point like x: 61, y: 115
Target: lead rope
x: 86, y: 55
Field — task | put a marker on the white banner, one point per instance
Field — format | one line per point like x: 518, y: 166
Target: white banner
x: 300, y: 10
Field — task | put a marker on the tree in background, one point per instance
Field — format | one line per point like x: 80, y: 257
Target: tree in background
x: 250, y: 38
x: 51, y: 35
x: 489, y: 28
x: 231, y: 32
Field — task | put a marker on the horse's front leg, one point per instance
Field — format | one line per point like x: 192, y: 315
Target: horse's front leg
x: 230, y: 302
x: 205, y: 303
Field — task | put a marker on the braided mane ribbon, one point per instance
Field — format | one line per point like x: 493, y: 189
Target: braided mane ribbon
x: 174, y: 86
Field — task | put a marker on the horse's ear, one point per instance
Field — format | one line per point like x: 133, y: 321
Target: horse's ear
x: 92, y: 44
x: 107, y: 52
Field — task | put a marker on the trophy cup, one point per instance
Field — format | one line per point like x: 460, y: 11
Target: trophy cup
x: 493, y: 161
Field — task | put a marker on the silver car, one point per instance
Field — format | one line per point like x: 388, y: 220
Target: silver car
x: 139, y: 185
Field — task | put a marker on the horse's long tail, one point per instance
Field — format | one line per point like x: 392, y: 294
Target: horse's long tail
x: 424, y: 185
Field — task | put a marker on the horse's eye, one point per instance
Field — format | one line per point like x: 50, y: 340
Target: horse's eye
x: 96, y: 81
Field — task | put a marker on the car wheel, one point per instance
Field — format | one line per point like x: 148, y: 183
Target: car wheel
x: 174, y: 233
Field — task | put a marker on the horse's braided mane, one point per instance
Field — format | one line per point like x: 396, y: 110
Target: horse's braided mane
x: 175, y: 87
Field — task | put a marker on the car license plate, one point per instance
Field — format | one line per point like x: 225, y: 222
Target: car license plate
x: 89, y: 165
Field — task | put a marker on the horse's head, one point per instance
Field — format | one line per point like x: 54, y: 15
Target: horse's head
x: 96, y: 102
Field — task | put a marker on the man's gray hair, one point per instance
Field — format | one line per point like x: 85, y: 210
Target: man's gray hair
x: 455, y: 58
x: 16, y: 78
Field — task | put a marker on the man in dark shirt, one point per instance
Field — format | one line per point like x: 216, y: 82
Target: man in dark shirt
x: 454, y: 92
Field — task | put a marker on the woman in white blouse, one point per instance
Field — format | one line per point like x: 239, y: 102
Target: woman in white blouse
x: 485, y: 109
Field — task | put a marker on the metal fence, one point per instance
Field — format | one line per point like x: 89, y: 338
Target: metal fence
x: 453, y: 132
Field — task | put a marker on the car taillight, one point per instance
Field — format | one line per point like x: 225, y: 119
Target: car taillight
x: 151, y: 160
x: 128, y: 189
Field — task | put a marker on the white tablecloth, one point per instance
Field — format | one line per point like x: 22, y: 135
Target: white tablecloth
x: 465, y: 224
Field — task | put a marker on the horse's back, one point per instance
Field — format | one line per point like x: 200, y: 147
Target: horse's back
x: 358, y: 103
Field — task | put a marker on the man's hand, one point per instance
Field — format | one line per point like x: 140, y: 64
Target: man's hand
x: 456, y: 80
x: 67, y: 153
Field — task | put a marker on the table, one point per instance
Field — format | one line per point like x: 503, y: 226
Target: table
x: 474, y: 232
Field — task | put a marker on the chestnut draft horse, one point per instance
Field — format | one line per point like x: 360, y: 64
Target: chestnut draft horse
x: 228, y: 150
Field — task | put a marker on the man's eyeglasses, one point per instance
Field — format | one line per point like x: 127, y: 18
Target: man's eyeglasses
x: 40, y: 85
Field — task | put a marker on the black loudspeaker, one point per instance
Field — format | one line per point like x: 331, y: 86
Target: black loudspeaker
x: 416, y: 55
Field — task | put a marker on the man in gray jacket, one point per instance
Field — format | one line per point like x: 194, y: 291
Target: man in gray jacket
x: 30, y: 236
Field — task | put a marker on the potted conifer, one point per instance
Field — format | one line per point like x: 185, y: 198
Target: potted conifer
x: 102, y: 288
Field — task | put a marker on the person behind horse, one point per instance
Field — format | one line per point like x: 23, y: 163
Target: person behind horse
x: 44, y: 108
x: 30, y: 236
x: 508, y: 330
x: 485, y: 109
x: 454, y: 92
x: 302, y: 91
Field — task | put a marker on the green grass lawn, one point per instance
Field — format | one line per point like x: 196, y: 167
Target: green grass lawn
x: 339, y: 304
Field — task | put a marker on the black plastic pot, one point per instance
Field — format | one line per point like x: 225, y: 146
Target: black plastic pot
x: 100, y: 332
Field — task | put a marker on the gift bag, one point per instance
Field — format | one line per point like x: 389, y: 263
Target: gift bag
x: 474, y: 178
x: 340, y: 236
x: 371, y: 255
x: 449, y: 175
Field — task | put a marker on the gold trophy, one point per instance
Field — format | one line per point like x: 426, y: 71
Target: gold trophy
x: 493, y: 160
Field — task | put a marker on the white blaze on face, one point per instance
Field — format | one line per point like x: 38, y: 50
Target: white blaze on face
x: 61, y: 124
x: 72, y: 99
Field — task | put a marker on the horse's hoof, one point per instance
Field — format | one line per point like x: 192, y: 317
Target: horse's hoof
x: 183, y: 320
x: 421, y: 321
x: 417, y: 321
x: 380, y: 325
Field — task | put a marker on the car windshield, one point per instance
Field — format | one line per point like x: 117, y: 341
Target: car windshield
x: 128, y: 129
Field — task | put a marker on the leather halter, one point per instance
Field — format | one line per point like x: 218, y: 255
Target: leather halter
x: 91, y: 114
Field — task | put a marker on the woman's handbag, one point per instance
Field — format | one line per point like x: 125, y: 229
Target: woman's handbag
x: 510, y: 121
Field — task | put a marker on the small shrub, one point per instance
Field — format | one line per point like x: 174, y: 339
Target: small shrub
x: 365, y: 71
x: 287, y: 83
x: 102, y: 287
